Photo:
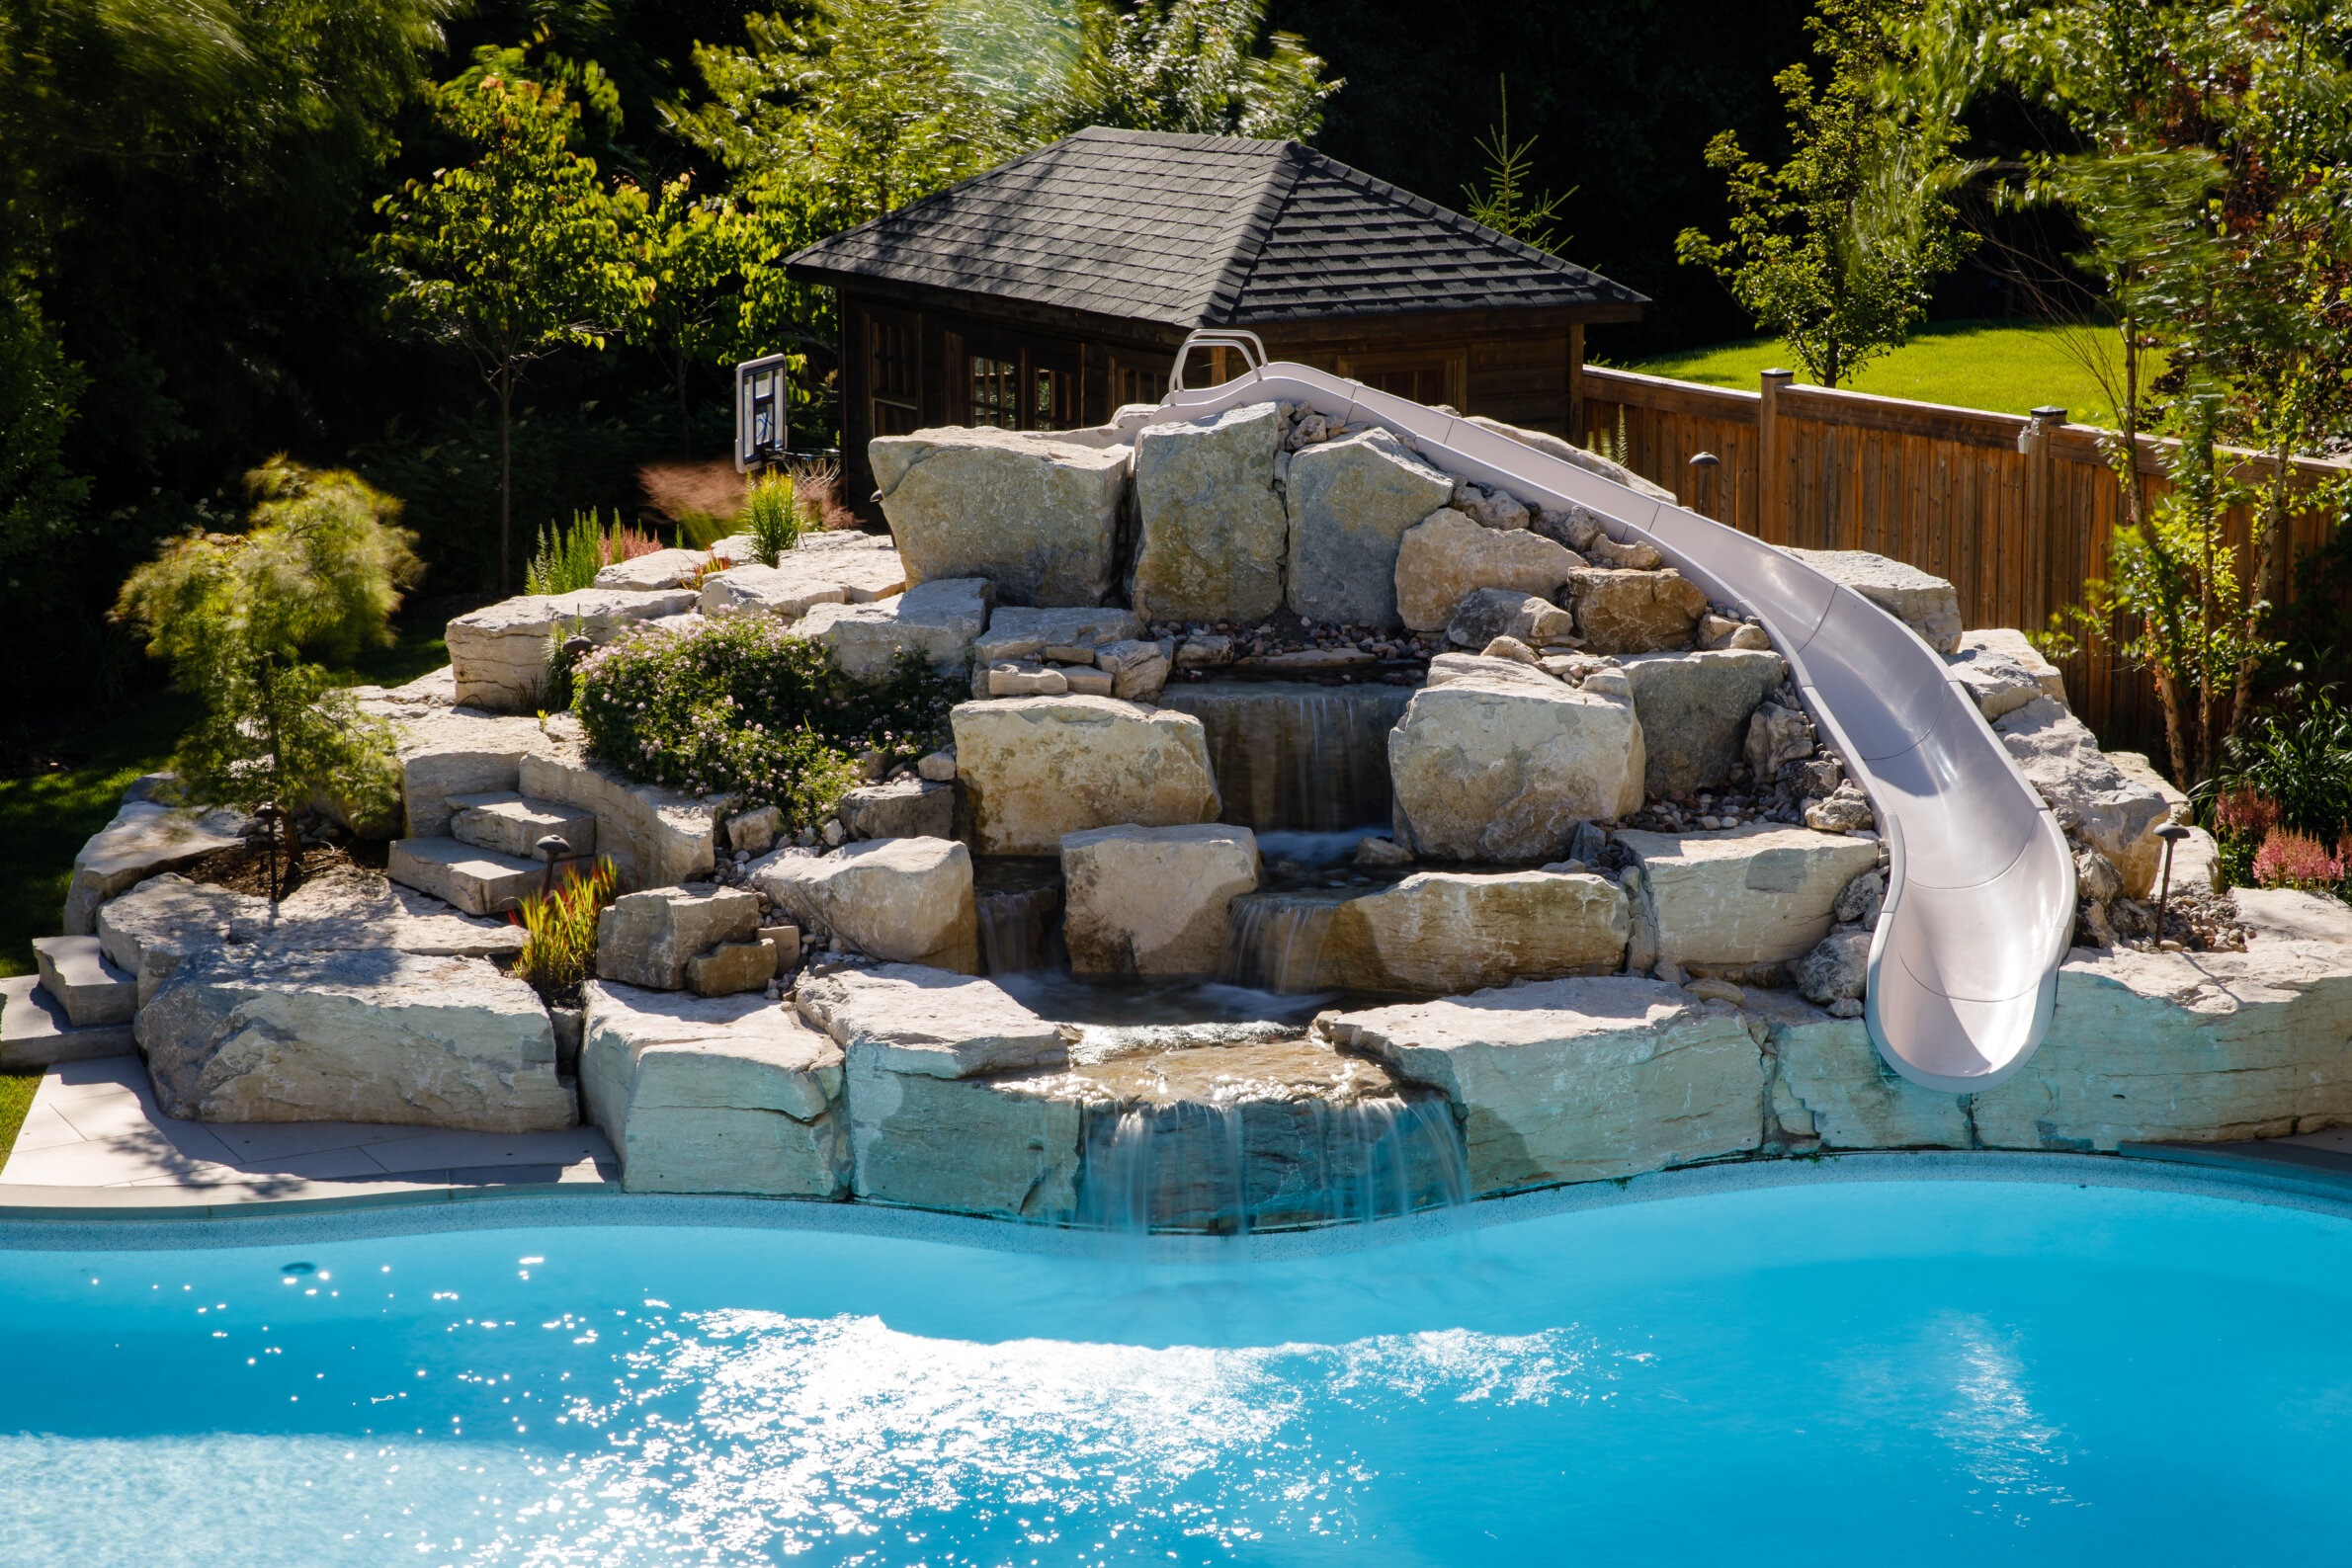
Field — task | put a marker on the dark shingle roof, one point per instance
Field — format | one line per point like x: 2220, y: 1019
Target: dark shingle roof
x: 1201, y: 231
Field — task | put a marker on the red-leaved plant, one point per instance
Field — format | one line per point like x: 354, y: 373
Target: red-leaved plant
x: 2243, y: 813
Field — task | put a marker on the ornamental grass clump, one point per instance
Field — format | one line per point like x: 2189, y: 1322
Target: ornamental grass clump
x: 771, y: 517
x: 745, y: 709
x: 569, y: 558
x: 560, y: 952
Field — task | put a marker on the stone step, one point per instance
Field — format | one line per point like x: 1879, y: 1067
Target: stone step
x: 75, y: 973
x: 477, y: 880
x: 35, y: 1032
x: 513, y: 824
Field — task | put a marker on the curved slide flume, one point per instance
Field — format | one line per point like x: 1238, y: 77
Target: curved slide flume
x: 1981, y: 895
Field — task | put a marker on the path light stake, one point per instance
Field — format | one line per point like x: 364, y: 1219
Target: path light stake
x: 267, y: 814
x: 2171, y: 833
x: 1705, y: 468
x: 551, y: 849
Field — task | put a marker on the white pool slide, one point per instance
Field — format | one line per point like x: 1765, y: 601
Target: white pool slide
x: 1981, y: 895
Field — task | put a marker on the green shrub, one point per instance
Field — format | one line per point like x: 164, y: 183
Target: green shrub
x: 2298, y: 758
x: 770, y: 516
x: 744, y: 707
x: 560, y: 952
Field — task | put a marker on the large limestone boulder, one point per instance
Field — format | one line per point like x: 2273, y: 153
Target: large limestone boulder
x: 500, y: 651
x: 2144, y: 1047
x: 447, y: 751
x: 149, y: 931
x: 1695, y: 710
x: 1351, y: 501
x: 1575, y: 1080
x: 938, y: 619
x: 356, y: 1035
x: 730, y: 1093
x: 655, y: 837
x: 1035, y: 767
x: 1449, y: 931
x: 907, y: 900
x: 1828, y: 1083
x: 1445, y: 558
x: 1035, y: 513
x: 1634, y: 612
x: 908, y: 1018
x: 902, y: 808
x: 844, y: 568
x: 646, y: 939
x: 1743, y: 897
x: 147, y: 838
x: 1501, y: 761
x: 2097, y: 802
x: 1213, y: 532
x: 654, y: 570
x: 938, y: 1116
x: 1153, y: 900
x: 2004, y: 672
x: 1926, y: 603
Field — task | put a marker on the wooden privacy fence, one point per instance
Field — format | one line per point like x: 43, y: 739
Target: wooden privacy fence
x: 2017, y: 511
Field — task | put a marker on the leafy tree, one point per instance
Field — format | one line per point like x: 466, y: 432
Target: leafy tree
x: 41, y: 501
x: 239, y: 617
x: 513, y: 256
x: 1835, y: 250
x: 183, y: 185
x: 1192, y: 65
x: 836, y: 120
x: 1505, y: 203
x: 2209, y: 174
x: 689, y: 254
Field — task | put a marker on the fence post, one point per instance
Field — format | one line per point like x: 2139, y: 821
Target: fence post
x: 2040, y: 500
x: 1772, y: 499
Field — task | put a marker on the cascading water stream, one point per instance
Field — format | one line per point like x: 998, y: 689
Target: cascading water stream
x: 1271, y: 1134
x: 1294, y: 756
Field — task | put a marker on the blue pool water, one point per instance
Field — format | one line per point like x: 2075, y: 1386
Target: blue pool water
x: 1964, y: 1372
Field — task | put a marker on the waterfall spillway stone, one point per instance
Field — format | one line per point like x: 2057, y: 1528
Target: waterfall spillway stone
x: 1250, y: 1134
x: 1291, y: 755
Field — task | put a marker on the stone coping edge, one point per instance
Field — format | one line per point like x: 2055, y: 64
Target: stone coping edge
x: 54, y: 1223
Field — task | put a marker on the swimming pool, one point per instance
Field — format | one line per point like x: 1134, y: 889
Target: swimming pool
x: 1980, y: 1371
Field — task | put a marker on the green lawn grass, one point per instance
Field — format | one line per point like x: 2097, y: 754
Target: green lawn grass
x: 1999, y: 366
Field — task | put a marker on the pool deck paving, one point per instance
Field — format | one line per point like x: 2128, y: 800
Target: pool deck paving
x: 94, y: 1137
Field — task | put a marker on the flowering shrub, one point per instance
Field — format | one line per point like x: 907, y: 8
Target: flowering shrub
x: 2288, y: 859
x: 744, y: 707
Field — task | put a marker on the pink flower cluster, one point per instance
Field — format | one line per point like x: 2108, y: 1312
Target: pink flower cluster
x: 2288, y: 859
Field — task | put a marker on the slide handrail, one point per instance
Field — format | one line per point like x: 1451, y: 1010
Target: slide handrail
x: 1979, y: 907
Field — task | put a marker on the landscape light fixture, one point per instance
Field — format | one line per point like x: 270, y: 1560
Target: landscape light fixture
x: 2171, y: 833
x: 551, y: 849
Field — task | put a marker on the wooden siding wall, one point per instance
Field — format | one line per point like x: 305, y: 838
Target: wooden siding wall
x: 2017, y: 513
